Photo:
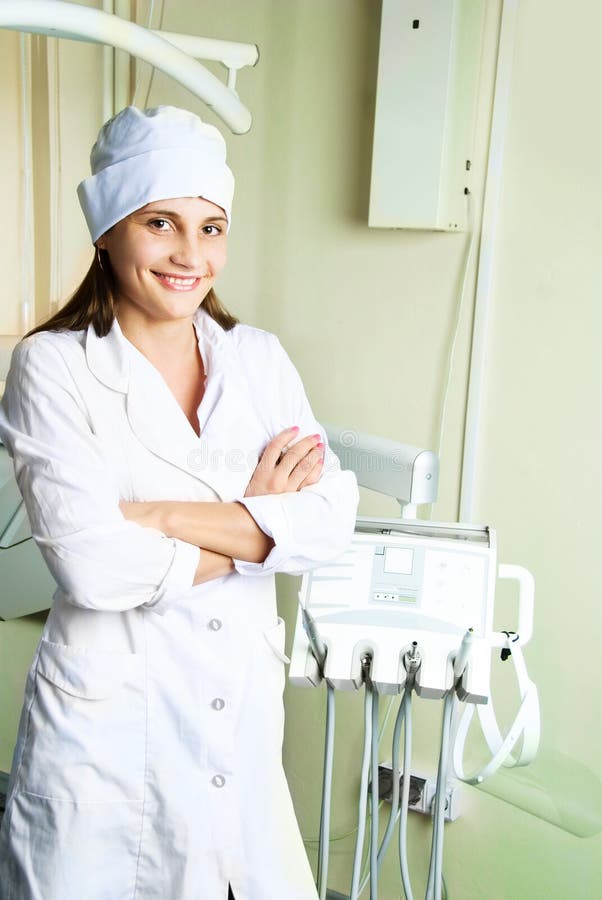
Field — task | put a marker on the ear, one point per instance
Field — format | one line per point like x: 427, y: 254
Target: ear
x: 100, y: 244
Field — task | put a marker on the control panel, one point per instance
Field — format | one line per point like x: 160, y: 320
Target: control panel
x: 388, y: 590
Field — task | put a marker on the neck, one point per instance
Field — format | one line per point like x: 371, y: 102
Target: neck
x: 156, y: 338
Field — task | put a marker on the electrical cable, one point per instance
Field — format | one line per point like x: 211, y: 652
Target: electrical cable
x: 324, y: 843
x: 374, y: 798
x: 386, y: 717
x: 56, y: 168
x: 363, y: 796
x: 27, y: 227
x: 395, y: 773
x: 332, y: 840
x: 456, y: 326
x: 458, y: 321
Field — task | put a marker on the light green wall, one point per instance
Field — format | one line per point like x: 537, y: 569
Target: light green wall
x: 368, y: 317
x: 18, y: 641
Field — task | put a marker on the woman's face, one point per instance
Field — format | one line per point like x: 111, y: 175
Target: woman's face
x: 166, y: 256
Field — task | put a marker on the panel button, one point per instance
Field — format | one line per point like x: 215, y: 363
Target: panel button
x: 214, y: 624
x: 218, y: 781
x: 218, y: 703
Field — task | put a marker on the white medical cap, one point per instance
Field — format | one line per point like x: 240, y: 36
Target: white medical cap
x: 155, y: 154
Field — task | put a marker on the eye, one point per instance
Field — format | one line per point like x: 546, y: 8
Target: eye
x: 159, y: 224
x: 211, y: 230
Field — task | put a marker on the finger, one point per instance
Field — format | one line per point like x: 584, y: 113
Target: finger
x: 304, y: 468
x: 273, y: 450
x: 314, y: 476
x: 295, y: 455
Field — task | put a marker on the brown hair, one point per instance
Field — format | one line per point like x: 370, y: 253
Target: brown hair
x: 94, y: 302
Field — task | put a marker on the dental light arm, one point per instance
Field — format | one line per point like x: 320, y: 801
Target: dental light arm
x: 409, y: 474
x: 75, y: 22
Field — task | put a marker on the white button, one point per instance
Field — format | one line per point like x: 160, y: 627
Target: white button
x: 218, y: 703
x: 215, y: 624
x: 218, y: 781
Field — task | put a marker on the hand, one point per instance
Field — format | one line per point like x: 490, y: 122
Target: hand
x: 281, y: 470
x: 149, y: 515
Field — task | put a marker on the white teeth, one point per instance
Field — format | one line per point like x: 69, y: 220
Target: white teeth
x: 180, y: 282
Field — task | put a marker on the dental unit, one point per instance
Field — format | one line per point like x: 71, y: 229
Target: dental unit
x: 408, y: 610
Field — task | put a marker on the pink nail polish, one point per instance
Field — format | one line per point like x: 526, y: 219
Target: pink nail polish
x: 294, y: 428
x: 319, y: 446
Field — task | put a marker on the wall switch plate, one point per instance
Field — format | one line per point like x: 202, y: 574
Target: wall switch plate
x: 422, y: 792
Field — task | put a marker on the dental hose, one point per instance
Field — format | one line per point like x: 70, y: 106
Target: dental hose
x: 412, y: 661
x: 374, y: 798
x: 324, y: 844
x: 435, y: 877
x: 395, y: 799
x: 320, y: 650
x: 363, y: 797
x: 405, y: 794
x: 399, y: 810
x: 395, y: 773
x: 433, y: 889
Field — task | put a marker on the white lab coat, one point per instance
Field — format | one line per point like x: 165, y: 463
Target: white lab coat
x: 148, y: 760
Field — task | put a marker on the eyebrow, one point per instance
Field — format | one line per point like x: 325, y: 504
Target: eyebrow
x: 174, y: 215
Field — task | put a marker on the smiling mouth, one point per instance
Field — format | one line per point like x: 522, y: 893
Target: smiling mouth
x: 178, y: 282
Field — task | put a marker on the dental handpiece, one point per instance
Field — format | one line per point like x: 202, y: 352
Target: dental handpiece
x: 318, y: 647
x: 461, y: 657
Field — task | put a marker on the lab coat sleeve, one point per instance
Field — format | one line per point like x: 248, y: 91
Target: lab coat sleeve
x: 314, y: 525
x: 99, y: 559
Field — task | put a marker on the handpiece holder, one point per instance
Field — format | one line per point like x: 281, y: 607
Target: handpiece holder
x: 526, y: 598
x: 526, y: 727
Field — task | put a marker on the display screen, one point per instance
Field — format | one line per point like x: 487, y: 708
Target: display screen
x: 398, y: 560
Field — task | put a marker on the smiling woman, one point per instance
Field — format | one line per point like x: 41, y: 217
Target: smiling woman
x: 165, y: 261
x: 147, y: 428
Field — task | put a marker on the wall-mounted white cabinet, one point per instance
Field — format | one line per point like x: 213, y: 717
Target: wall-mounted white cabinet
x: 428, y: 73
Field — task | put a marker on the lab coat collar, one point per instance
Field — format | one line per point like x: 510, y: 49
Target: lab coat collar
x: 160, y: 424
x: 109, y: 357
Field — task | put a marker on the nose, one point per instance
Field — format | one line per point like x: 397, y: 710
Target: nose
x: 187, y: 252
